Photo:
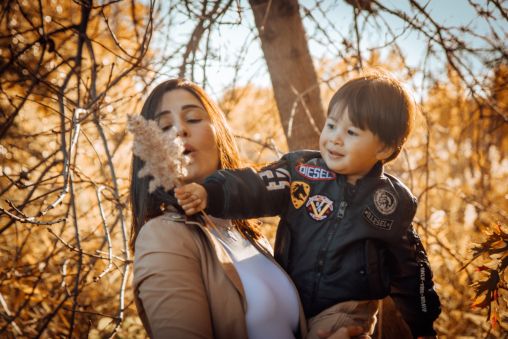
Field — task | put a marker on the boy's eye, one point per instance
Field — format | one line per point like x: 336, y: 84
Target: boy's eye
x: 330, y: 126
x: 166, y: 128
x: 194, y: 121
x: 351, y: 132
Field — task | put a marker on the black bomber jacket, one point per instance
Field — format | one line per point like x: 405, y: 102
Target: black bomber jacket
x: 336, y: 245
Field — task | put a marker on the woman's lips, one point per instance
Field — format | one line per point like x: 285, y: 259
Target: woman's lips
x: 189, y: 150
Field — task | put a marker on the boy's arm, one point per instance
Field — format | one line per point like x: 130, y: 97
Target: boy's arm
x: 245, y: 194
x: 412, y: 288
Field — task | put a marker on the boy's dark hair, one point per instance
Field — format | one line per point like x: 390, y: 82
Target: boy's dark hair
x: 381, y: 103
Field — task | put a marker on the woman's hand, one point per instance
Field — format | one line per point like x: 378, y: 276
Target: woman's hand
x: 191, y: 197
x: 342, y: 333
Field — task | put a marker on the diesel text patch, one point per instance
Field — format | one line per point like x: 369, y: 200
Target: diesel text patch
x: 315, y: 173
x: 383, y: 224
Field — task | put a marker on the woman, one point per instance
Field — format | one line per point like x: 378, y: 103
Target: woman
x: 192, y: 281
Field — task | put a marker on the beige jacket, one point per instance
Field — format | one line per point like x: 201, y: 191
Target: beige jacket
x: 185, y: 283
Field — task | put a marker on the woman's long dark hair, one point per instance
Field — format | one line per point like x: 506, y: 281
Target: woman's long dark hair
x: 145, y: 205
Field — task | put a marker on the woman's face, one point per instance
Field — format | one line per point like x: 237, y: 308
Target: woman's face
x: 181, y: 110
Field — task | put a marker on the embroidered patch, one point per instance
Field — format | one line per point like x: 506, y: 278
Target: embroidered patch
x: 299, y: 193
x: 319, y: 207
x: 275, y: 179
x: 385, y: 202
x: 383, y: 224
x: 315, y: 173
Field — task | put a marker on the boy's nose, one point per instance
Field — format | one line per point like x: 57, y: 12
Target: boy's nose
x: 337, y: 140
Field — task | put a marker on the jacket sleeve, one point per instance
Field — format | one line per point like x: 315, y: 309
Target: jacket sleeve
x: 169, y: 283
x: 412, y: 288
x: 246, y: 194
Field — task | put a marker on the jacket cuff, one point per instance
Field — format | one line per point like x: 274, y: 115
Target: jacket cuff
x: 422, y: 330
x: 215, y: 198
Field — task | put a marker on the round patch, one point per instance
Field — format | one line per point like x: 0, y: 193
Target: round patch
x: 319, y: 207
x: 385, y: 202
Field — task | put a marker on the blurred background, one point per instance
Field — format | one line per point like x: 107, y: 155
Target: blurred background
x: 71, y: 71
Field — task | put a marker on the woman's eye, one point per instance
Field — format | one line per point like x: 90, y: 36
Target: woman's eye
x: 194, y: 121
x: 351, y: 132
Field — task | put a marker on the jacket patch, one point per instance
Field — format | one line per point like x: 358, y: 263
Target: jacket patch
x: 385, y: 202
x: 315, y: 173
x: 319, y: 207
x: 275, y: 179
x: 383, y: 224
x: 299, y: 193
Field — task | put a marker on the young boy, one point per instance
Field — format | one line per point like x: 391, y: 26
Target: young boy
x: 346, y: 231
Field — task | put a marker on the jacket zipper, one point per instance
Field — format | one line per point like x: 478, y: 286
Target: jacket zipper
x: 342, y: 209
x: 340, y: 215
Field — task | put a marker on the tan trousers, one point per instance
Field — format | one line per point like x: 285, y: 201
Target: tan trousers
x: 349, y: 313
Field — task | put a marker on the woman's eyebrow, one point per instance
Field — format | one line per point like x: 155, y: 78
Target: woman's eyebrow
x: 191, y: 106
x: 158, y: 115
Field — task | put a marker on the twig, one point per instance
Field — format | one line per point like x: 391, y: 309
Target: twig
x: 75, y: 249
x: 32, y: 220
x: 95, y: 313
x: 299, y: 97
x: 6, y: 308
x: 113, y: 256
x: 266, y: 16
x: 106, y: 231
x: 114, y: 36
x: 15, y: 208
x: 98, y: 157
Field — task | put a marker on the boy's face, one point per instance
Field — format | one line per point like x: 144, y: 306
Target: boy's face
x: 348, y: 150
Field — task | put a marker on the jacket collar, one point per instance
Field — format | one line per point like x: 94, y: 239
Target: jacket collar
x: 377, y: 171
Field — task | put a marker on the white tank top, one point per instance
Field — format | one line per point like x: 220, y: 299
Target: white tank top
x: 272, y: 303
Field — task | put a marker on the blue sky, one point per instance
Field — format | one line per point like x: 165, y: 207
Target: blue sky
x: 228, y: 41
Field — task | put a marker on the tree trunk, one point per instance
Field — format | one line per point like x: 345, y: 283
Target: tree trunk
x: 291, y: 69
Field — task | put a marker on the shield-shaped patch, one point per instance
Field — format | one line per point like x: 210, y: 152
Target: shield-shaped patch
x: 299, y: 193
x: 319, y: 207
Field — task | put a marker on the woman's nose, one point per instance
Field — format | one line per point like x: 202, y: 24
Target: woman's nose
x: 181, y: 130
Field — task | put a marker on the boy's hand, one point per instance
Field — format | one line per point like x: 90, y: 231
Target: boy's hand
x: 191, y: 197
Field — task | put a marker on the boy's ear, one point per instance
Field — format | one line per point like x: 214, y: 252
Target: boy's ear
x: 385, y: 152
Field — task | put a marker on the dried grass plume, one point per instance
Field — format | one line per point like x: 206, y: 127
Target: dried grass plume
x: 161, y: 151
